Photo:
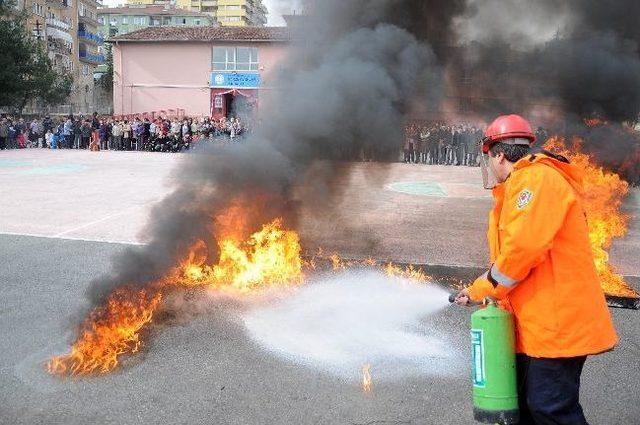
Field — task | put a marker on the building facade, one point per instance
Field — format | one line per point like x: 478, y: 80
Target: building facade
x: 202, y: 71
x: 90, y: 54
x: 225, y: 12
x: 67, y: 30
x: 122, y: 20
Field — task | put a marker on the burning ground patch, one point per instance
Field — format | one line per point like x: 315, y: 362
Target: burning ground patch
x: 342, y: 321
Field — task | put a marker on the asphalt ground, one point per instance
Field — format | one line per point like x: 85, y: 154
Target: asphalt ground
x: 204, y: 368
x: 199, y: 362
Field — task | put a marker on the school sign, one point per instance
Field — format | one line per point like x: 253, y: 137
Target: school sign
x: 235, y: 80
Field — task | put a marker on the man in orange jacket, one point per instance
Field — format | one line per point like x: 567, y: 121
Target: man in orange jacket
x: 542, y: 269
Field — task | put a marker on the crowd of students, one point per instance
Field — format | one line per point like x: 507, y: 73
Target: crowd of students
x: 443, y: 144
x: 109, y: 133
x: 439, y: 143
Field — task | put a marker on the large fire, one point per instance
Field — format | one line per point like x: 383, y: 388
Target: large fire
x: 109, y: 331
x: 270, y: 257
x: 267, y: 258
x: 602, y: 198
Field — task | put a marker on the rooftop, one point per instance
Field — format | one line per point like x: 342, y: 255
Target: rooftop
x: 149, y: 10
x: 171, y: 33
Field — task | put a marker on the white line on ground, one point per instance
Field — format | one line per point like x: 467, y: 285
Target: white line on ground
x: 35, y: 235
x: 105, y: 218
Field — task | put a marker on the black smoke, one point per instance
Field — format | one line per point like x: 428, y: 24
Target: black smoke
x: 586, y: 65
x: 358, y: 69
x: 354, y: 73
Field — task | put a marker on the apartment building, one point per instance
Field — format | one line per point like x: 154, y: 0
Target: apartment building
x: 226, y: 12
x: 90, y: 52
x: 122, y: 20
x: 67, y: 30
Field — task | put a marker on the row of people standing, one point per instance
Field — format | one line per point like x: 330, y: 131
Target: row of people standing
x: 108, y: 133
x: 441, y: 144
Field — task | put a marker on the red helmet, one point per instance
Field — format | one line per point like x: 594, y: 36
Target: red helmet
x: 508, y: 127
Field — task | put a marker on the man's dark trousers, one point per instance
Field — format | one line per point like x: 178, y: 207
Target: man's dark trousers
x: 549, y: 390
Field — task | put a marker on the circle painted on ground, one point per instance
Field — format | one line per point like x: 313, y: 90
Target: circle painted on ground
x: 419, y: 188
x: 7, y: 163
x: 52, y: 169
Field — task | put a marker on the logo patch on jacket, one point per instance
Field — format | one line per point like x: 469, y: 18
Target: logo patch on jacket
x: 524, y: 198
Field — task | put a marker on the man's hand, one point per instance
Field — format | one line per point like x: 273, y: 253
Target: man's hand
x: 463, y: 298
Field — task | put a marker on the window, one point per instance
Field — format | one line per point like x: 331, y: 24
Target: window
x: 197, y: 22
x: 37, y: 9
x: 224, y: 58
x: 124, y: 20
x: 247, y: 59
x: 235, y: 59
x: 101, y: 20
x: 85, y: 70
x: 114, y: 22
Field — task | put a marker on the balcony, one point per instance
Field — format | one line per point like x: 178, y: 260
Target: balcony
x: 87, y: 19
x: 91, y: 58
x: 57, y: 47
x: 58, y: 24
x: 57, y: 34
x: 90, y: 37
x: 58, y: 4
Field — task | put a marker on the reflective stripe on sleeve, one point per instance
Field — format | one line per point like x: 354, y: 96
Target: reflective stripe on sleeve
x: 502, y: 279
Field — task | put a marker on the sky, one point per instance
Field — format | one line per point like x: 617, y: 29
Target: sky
x: 275, y: 8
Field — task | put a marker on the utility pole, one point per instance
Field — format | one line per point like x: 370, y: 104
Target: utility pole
x: 37, y: 30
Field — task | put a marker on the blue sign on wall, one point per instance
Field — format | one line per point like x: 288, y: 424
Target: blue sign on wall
x: 235, y: 80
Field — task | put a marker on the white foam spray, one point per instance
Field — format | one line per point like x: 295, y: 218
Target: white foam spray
x: 339, y: 322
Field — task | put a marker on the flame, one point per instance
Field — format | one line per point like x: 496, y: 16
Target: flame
x: 602, y: 199
x: 269, y: 257
x: 366, y: 378
x: 109, y: 331
x: 408, y: 272
x: 594, y: 122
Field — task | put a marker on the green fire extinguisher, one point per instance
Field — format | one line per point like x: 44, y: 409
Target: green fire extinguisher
x: 493, y: 366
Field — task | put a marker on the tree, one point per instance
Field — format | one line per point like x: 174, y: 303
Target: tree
x: 106, y: 80
x: 26, y: 72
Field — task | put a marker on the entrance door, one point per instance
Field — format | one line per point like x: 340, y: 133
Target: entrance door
x: 228, y: 105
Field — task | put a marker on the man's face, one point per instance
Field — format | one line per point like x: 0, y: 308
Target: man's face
x: 498, y: 166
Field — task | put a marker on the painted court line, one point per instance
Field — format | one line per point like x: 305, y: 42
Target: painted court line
x: 110, y: 216
x: 69, y: 238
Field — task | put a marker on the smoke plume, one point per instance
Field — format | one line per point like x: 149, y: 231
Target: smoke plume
x: 556, y: 62
x: 351, y: 78
x: 358, y: 69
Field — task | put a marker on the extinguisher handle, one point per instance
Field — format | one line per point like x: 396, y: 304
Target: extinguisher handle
x: 452, y: 299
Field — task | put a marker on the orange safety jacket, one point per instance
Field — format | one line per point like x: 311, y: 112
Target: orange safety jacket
x: 542, y: 264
